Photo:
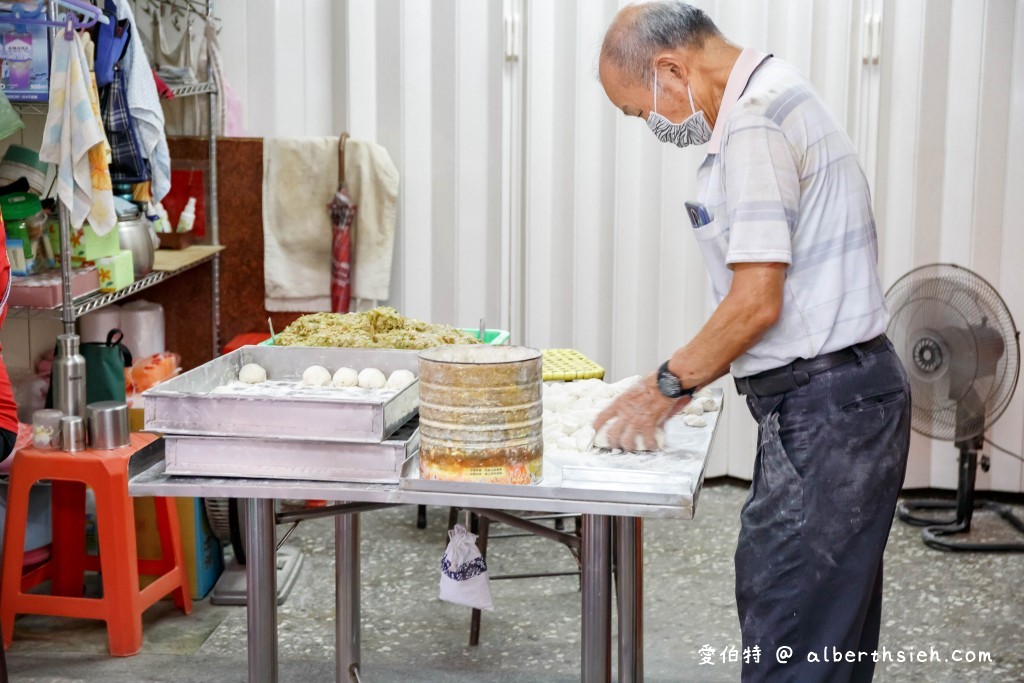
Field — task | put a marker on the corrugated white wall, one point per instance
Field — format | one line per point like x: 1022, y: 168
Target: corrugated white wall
x: 528, y: 200
x: 950, y: 171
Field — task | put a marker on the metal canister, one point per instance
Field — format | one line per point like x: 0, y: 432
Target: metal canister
x: 108, y: 424
x: 481, y: 413
x: 69, y: 376
x: 72, y: 430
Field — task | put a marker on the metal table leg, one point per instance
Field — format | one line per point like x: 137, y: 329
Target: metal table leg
x: 347, y: 616
x: 596, y: 621
x: 629, y: 578
x: 261, y: 591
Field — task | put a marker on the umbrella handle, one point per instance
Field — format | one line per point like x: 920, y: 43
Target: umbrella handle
x: 341, y: 158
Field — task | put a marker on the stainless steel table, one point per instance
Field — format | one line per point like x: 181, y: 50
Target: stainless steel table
x: 610, y: 491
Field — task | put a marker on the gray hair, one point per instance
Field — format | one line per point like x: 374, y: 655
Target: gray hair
x: 639, y: 32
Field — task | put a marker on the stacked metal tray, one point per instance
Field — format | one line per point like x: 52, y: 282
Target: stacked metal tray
x: 282, y: 430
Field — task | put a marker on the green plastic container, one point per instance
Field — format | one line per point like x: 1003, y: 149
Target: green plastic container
x: 492, y: 337
x: 18, y: 206
x: 18, y: 210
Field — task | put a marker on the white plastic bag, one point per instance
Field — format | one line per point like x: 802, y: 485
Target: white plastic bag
x: 464, y: 579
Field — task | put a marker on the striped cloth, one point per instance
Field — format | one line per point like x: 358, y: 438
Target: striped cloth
x: 782, y: 183
x: 128, y: 165
x: 144, y: 102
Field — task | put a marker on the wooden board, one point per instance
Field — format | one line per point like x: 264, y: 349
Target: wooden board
x: 171, y: 260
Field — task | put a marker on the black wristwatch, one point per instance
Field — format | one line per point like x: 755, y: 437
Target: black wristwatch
x: 669, y: 385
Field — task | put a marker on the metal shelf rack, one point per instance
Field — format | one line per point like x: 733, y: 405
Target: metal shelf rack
x: 30, y: 108
x: 96, y: 300
x: 71, y: 309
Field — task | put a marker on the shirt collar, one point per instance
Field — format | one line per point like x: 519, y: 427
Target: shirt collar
x: 742, y: 70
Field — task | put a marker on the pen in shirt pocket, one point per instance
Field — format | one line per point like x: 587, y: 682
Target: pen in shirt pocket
x: 698, y: 214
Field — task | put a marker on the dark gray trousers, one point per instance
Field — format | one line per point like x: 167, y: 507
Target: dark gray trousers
x: 831, y: 458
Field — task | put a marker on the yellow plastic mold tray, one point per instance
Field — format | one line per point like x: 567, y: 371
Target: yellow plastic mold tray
x: 568, y: 365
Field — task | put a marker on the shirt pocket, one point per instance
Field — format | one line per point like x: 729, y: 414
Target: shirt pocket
x: 713, y: 239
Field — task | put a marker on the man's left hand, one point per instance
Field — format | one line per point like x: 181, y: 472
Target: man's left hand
x: 638, y: 414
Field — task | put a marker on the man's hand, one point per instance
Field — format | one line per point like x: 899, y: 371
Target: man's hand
x: 638, y: 413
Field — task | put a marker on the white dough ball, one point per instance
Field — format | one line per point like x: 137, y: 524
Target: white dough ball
x: 371, y: 378
x: 252, y: 374
x: 695, y: 421
x: 659, y: 442
x: 694, y: 408
x: 400, y: 379
x: 559, y: 404
x: 584, y: 438
x: 624, y: 385
x: 710, y: 405
x: 566, y: 443
x: 345, y: 377
x: 601, y: 438
x: 221, y: 390
x: 583, y: 403
x: 705, y: 393
x: 316, y: 376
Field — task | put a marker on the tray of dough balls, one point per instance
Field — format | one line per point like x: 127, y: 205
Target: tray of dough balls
x: 329, y: 395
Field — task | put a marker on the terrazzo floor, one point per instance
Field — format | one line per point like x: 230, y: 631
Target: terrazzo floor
x: 945, y: 601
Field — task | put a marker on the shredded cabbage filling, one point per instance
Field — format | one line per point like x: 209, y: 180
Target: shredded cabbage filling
x: 380, y: 328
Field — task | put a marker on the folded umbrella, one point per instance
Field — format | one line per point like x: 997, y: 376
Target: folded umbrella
x: 342, y: 211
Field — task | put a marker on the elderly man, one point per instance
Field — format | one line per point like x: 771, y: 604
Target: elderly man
x: 783, y: 219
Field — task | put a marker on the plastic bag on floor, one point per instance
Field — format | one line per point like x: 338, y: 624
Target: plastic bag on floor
x: 464, y: 579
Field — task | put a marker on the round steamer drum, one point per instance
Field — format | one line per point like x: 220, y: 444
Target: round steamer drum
x: 480, y: 414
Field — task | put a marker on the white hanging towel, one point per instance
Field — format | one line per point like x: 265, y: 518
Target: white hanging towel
x: 144, y: 104
x: 71, y: 130
x: 300, y: 176
x: 372, y: 181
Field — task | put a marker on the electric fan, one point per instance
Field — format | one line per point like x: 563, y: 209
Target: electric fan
x: 961, y: 351
x: 227, y: 522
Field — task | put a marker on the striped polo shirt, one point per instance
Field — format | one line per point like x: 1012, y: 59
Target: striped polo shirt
x: 782, y: 183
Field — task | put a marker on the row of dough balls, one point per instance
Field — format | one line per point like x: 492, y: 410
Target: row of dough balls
x: 367, y: 378
x: 319, y: 376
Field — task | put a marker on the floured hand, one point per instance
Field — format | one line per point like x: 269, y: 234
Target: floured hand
x: 633, y: 421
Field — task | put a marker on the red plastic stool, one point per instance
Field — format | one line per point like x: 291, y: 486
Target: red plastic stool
x: 123, y: 603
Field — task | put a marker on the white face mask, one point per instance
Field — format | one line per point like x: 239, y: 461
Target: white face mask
x: 693, y: 131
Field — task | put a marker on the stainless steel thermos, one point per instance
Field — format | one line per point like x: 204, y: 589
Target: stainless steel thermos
x: 69, y: 376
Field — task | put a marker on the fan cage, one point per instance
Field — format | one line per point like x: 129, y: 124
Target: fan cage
x: 217, y: 511
x: 956, y: 323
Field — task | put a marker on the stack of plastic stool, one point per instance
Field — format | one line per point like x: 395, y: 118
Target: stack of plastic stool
x: 123, y: 602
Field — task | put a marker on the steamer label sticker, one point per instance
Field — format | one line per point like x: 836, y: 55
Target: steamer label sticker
x: 495, y: 472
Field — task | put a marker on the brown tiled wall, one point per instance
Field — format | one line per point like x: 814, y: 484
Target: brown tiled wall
x: 186, y: 298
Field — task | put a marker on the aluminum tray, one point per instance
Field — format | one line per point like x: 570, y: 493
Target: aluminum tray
x: 214, y: 456
x: 669, y: 477
x: 186, y: 406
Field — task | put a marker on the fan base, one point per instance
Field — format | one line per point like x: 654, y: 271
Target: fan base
x: 964, y: 507
x: 231, y: 586
x: 934, y: 536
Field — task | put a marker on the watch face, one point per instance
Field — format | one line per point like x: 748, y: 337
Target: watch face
x: 668, y: 384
